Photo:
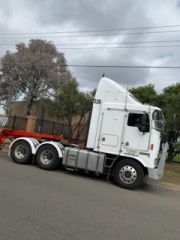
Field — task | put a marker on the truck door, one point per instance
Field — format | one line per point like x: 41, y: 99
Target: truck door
x: 133, y: 137
x: 111, y: 131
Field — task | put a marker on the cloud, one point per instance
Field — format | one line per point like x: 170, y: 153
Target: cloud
x: 70, y: 15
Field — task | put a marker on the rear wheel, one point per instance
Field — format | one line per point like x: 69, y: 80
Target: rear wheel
x: 128, y: 174
x: 21, y: 152
x: 47, y: 157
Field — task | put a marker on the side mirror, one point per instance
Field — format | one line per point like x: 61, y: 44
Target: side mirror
x: 144, y: 123
x: 142, y: 128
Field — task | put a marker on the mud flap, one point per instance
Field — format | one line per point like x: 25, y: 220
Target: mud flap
x: 157, y: 173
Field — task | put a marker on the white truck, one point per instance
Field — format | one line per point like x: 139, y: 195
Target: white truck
x: 124, y: 141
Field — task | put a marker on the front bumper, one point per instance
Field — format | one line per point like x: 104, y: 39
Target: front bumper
x: 157, y: 173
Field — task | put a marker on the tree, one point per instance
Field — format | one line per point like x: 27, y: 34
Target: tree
x: 145, y: 94
x: 171, y: 105
x: 31, y: 72
x: 8, y: 88
x: 69, y: 103
x: 85, y: 106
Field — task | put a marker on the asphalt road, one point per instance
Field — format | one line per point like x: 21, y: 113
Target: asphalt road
x: 36, y: 204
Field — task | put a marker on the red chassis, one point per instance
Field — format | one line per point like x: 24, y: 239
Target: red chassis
x: 11, y: 134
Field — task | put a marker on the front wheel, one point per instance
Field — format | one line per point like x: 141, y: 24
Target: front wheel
x: 128, y: 174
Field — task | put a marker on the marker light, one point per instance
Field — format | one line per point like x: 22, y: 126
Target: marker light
x: 152, y: 146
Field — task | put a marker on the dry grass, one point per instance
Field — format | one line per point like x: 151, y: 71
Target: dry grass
x: 172, y: 173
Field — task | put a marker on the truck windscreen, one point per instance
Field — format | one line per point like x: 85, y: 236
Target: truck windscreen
x: 158, y: 120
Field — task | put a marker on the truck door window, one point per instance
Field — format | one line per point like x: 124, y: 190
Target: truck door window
x: 136, y: 120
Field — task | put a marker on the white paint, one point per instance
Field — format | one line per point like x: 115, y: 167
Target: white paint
x: 135, y: 139
x: 58, y: 146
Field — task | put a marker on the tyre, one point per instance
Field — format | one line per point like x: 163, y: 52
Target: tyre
x: 21, y: 152
x: 47, y: 157
x: 128, y: 174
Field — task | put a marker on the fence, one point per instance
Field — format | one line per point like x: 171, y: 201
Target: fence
x: 41, y: 126
x: 50, y: 127
x: 13, y: 122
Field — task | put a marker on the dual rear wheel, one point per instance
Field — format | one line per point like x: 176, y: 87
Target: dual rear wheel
x: 21, y: 152
x: 46, y: 157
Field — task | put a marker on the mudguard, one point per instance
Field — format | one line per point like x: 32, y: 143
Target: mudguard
x: 58, y: 146
x: 32, y: 142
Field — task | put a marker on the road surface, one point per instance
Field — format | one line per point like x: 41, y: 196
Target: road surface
x: 37, y: 204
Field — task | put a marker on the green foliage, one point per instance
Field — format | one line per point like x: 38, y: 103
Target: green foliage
x: 176, y: 145
x: 68, y: 102
x: 8, y: 89
x: 31, y: 72
x: 145, y: 94
x: 171, y: 106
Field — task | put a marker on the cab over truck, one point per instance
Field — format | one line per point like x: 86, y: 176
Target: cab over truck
x: 124, y: 141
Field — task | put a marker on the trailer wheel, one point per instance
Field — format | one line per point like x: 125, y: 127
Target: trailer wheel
x: 21, y: 152
x: 47, y: 157
x: 128, y: 174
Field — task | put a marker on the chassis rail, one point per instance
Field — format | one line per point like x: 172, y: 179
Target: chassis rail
x: 11, y: 134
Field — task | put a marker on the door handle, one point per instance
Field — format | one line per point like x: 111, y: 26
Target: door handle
x: 103, y: 139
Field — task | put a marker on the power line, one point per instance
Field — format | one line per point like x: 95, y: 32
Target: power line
x: 114, y: 47
x: 110, y: 66
x: 95, y: 30
x: 120, y: 47
x: 122, y: 66
x: 116, y: 43
x: 104, y: 43
x: 103, y: 34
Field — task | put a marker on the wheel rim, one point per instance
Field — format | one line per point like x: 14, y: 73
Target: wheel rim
x: 20, y: 151
x: 46, y: 157
x: 128, y: 174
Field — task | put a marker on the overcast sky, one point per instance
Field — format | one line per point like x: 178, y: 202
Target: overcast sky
x: 47, y: 16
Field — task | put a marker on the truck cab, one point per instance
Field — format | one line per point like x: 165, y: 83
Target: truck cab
x: 122, y: 126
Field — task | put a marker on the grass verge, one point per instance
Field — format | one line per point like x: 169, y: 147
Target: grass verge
x: 172, y: 173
